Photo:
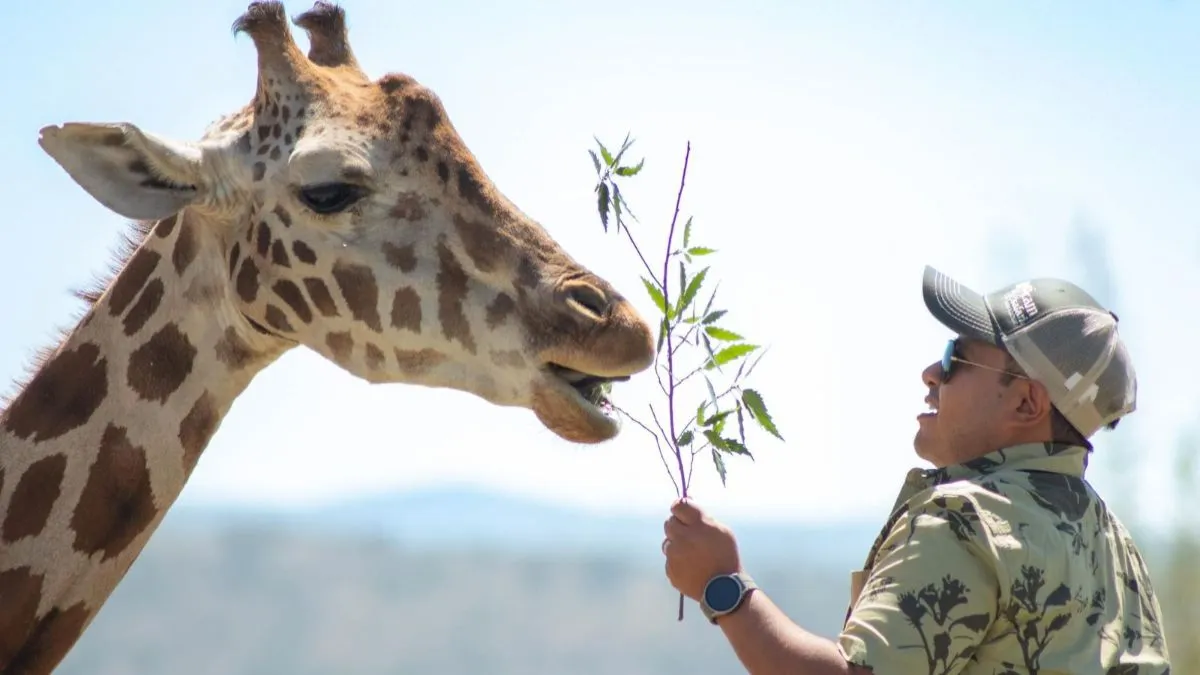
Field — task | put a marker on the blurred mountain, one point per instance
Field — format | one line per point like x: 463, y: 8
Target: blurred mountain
x: 444, y: 581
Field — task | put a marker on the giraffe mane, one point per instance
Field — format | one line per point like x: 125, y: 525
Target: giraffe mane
x: 131, y: 239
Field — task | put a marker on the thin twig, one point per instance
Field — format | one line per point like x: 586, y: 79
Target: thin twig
x: 670, y: 352
x: 661, y: 455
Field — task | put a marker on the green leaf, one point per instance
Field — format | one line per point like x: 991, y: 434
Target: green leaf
x: 625, y: 144
x: 741, y: 423
x: 608, y: 158
x: 715, y: 438
x: 663, y: 329
x: 712, y: 393
x: 698, y: 251
x: 730, y: 354
x: 721, y: 334
x: 689, y: 294
x: 602, y: 204
x: 733, y: 447
x: 719, y: 462
x: 717, y: 421
x: 714, y: 316
x: 616, y: 204
x: 685, y: 438
x: 630, y: 170
x: 687, y: 232
x: 655, y: 294
x: 595, y: 161
x: 758, y: 410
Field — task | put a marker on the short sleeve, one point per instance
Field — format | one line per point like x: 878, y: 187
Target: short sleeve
x: 931, y: 595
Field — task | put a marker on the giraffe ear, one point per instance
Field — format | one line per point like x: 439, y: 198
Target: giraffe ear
x: 133, y: 173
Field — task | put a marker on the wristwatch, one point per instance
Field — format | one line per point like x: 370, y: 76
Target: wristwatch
x: 724, y: 593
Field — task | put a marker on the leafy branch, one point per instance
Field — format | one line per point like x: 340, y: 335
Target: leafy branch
x: 695, y: 341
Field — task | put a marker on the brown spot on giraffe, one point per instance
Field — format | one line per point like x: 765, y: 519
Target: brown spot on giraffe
x: 247, y: 280
x: 117, y: 503
x: 233, y: 351
x: 145, y: 307
x: 408, y: 207
x: 361, y: 293
x: 443, y: 171
x: 470, y: 188
x: 282, y: 214
x: 62, y: 396
x: 527, y: 274
x: 264, y: 238
x: 406, y: 310
x: 197, y: 429
x: 290, y: 293
x: 303, y: 253
x: 483, y: 243
x: 403, y: 258
x: 161, y: 365
x: 417, y: 362
x: 507, y: 358
x: 50, y: 640
x: 35, y: 493
x: 166, y: 226
x: 131, y: 280
x: 278, y: 320
x: 452, y: 291
x: 341, y: 344
x: 318, y: 292
x: 374, y: 356
x: 185, y: 247
x: 260, y: 170
x: 20, y: 593
x: 279, y: 254
x: 499, y: 309
x: 234, y: 254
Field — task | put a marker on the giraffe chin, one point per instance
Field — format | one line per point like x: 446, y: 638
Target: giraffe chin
x: 569, y: 414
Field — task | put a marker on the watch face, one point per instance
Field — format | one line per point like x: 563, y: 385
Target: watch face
x: 723, y: 593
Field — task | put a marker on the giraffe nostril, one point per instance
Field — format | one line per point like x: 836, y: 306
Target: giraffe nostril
x: 589, y: 299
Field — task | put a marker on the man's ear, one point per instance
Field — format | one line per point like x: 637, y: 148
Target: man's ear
x: 133, y: 173
x: 1035, y: 404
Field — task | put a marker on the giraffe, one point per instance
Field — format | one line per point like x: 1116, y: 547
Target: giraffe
x: 332, y: 212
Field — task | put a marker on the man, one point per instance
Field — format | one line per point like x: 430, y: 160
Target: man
x: 1001, y: 559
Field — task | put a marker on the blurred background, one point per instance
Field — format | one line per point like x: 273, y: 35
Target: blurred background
x: 836, y: 149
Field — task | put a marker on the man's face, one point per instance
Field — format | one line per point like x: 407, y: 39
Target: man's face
x: 969, y: 409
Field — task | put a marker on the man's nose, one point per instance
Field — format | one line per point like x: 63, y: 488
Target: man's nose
x: 932, y: 375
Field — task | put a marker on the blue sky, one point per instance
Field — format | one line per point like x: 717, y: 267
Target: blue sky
x: 837, y: 148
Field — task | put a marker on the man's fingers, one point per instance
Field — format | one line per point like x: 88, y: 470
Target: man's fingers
x: 686, y: 511
x: 674, y: 528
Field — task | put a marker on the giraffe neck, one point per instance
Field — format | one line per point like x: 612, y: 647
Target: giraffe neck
x: 100, y: 442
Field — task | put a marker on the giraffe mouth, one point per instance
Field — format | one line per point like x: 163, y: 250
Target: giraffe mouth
x: 594, y: 390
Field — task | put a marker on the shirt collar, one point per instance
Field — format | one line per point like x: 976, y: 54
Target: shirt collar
x: 1061, y: 458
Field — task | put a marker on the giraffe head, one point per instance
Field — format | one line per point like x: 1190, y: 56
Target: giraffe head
x: 353, y: 219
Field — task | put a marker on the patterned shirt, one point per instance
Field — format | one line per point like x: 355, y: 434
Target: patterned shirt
x: 1009, y: 564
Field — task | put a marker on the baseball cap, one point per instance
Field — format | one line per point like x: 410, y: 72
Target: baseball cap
x: 1056, y: 332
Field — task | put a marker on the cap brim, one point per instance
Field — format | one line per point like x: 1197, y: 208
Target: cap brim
x: 958, y: 308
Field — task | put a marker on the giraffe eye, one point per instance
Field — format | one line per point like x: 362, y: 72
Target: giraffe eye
x: 328, y: 198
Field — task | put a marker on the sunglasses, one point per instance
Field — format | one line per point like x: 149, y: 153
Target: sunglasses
x: 951, y: 357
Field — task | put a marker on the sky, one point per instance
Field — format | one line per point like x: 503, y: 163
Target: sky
x: 837, y: 148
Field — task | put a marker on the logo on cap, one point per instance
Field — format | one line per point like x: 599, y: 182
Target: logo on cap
x: 1020, y: 304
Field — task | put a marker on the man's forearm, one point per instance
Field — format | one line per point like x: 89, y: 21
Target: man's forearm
x: 768, y: 642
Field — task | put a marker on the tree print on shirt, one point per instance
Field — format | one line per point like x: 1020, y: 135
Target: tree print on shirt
x: 931, y: 611
x: 1034, y: 621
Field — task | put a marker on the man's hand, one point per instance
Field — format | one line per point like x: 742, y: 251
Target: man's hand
x: 697, y: 548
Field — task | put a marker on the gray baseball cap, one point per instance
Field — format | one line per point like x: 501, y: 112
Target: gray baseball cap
x: 1056, y: 332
